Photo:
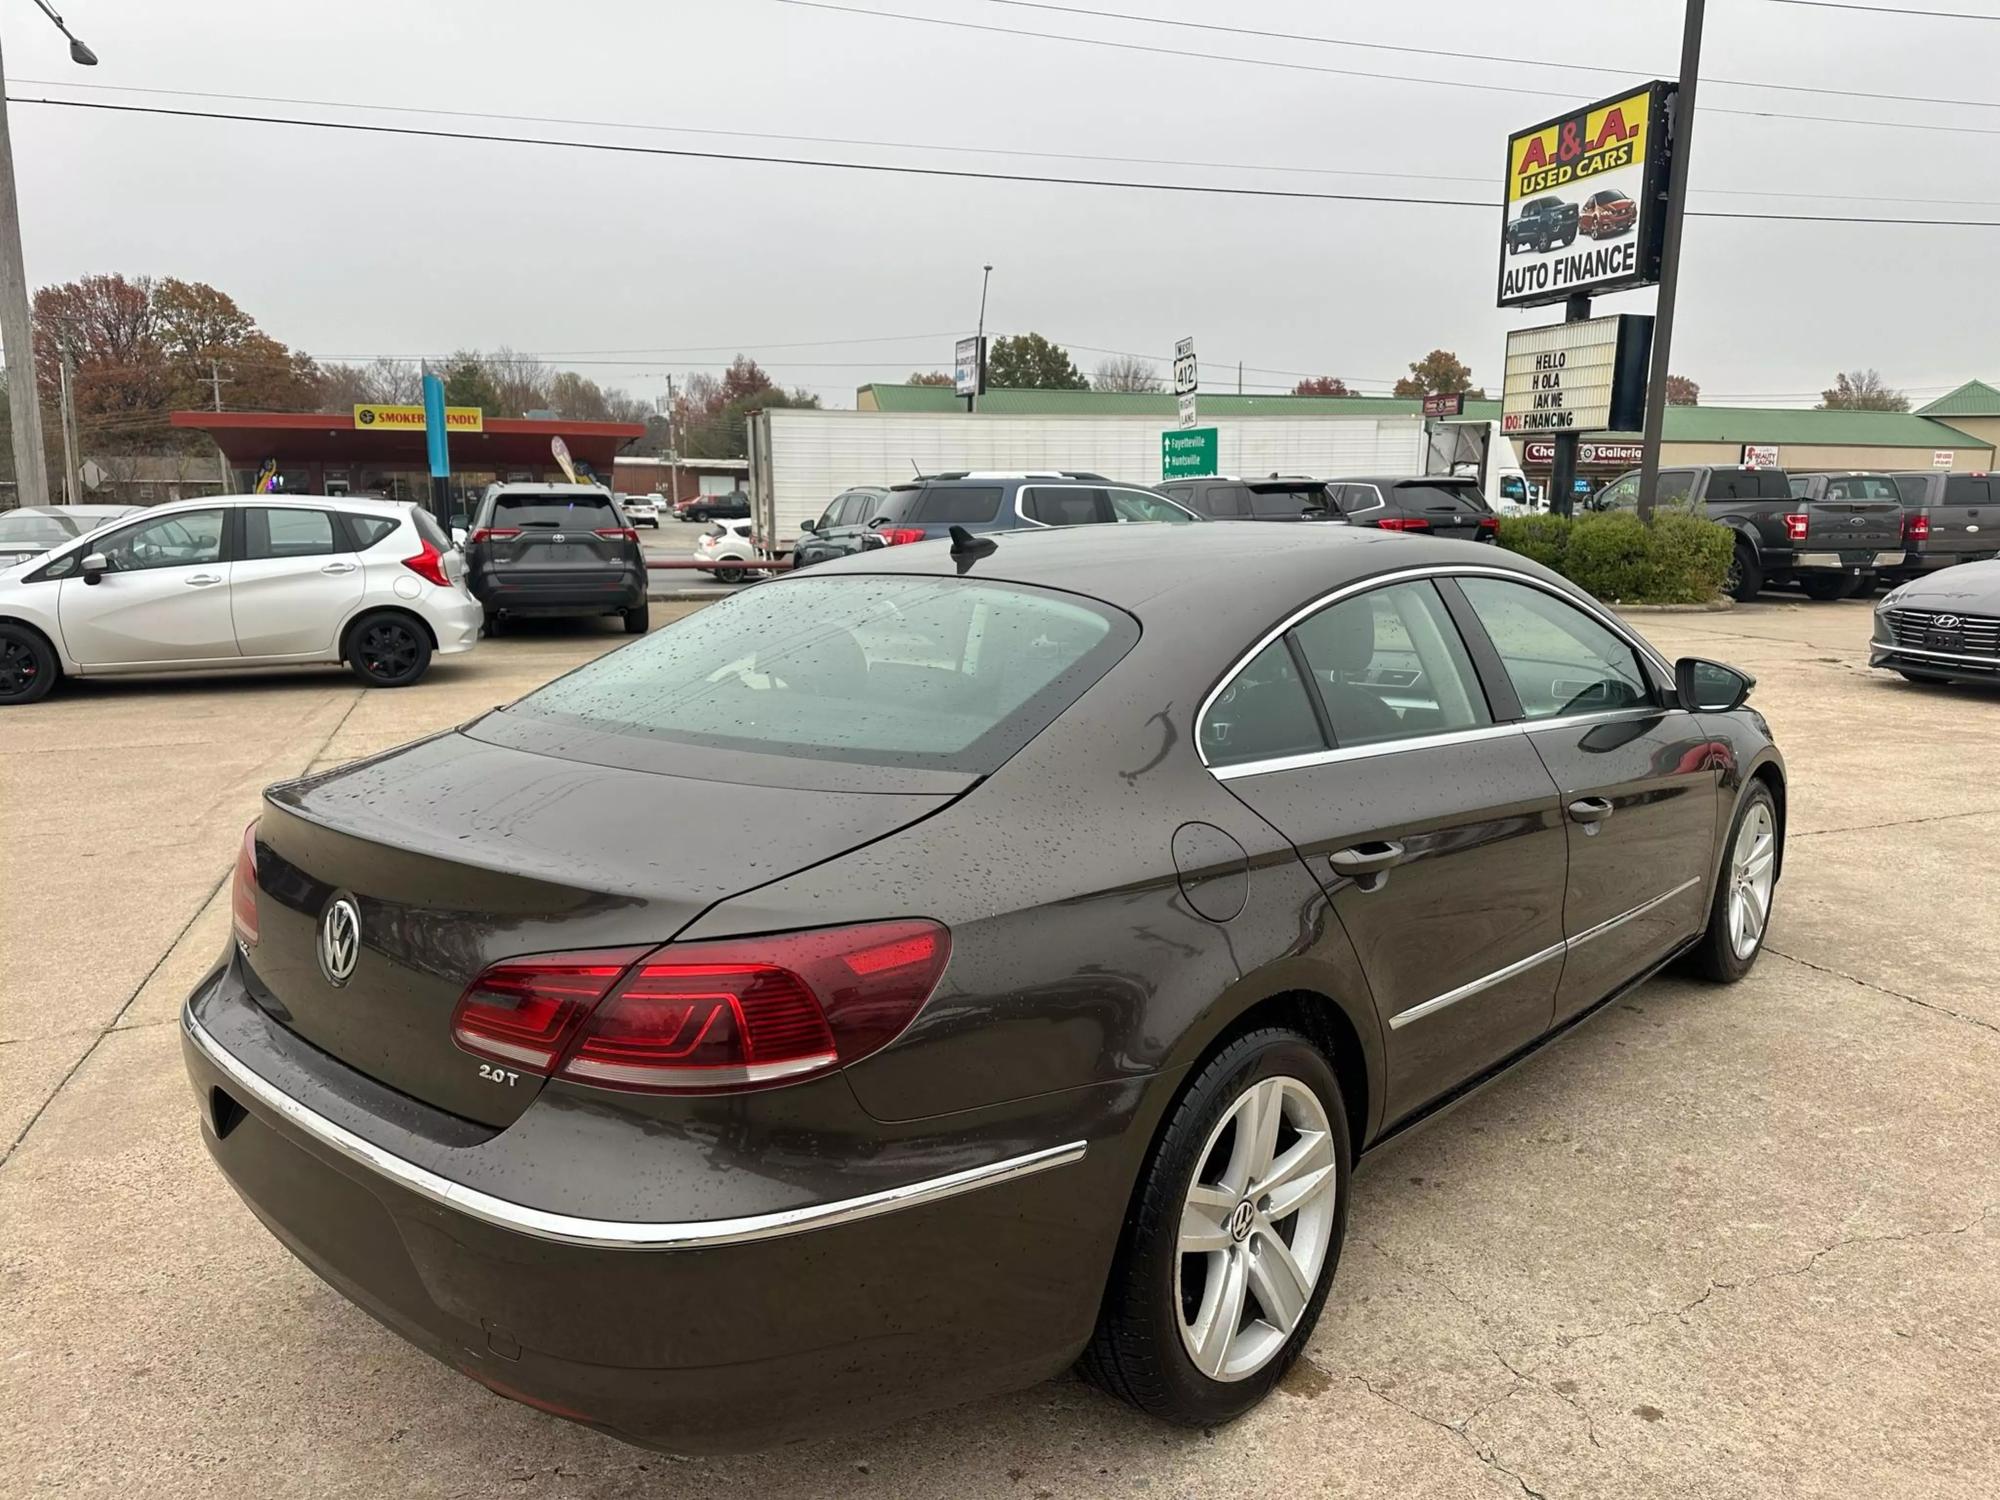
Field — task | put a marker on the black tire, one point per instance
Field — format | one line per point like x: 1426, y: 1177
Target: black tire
x: 1827, y: 587
x: 495, y: 623
x: 1715, y: 957
x: 1746, y: 578
x: 28, y: 666
x: 637, y: 620
x: 387, y: 649
x: 731, y: 575
x: 1137, y: 1352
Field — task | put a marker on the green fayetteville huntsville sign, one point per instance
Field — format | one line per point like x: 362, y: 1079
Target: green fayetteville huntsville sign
x: 1187, y: 453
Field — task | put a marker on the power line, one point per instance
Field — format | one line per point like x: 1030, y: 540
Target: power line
x: 1478, y: 57
x: 1147, y: 161
x: 963, y: 174
x: 1893, y: 10
x: 1302, y: 67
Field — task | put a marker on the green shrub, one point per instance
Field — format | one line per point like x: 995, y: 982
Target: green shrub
x: 1679, y: 559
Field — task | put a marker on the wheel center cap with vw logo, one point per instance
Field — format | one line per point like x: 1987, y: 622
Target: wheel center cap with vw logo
x: 1240, y: 1220
x: 339, y: 940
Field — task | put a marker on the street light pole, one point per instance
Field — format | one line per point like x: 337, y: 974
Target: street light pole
x: 17, y: 333
x: 1670, y: 261
x: 979, y: 343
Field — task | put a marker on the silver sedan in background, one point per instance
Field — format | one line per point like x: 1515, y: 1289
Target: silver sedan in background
x: 1943, y: 627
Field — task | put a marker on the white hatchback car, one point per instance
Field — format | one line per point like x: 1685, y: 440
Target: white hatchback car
x: 239, y: 581
x: 726, y: 542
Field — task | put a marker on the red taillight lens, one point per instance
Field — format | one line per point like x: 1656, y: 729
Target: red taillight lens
x: 1916, y: 528
x: 698, y: 1017
x: 243, y: 889
x: 495, y: 534
x: 618, y: 533
x: 524, y: 1011
x: 1489, y: 523
x: 429, y: 566
x: 1402, y: 523
x: 900, y: 536
x: 1795, y: 527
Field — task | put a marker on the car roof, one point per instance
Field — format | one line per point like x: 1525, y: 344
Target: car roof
x: 1224, y: 573
x: 547, y: 489
x: 365, y: 504
x: 1464, y: 481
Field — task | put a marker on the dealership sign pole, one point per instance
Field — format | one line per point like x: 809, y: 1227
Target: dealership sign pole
x: 1681, y: 129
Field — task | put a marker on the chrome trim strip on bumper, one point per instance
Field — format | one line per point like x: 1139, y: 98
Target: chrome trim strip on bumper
x: 1984, y: 661
x: 613, y: 1234
x: 1403, y: 1018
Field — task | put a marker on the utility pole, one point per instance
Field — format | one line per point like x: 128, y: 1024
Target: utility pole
x: 979, y: 379
x: 673, y: 453
x: 1670, y: 260
x: 221, y: 458
x: 31, y: 484
x: 1239, y: 377
x: 72, y: 488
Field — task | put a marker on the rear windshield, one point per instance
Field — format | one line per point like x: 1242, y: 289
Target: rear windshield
x: 1462, y: 498
x: 941, y: 673
x: 581, y: 512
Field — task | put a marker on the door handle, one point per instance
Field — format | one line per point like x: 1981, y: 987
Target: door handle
x: 1590, y: 809
x: 1367, y: 862
x: 202, y: 580
x: 338, y: 568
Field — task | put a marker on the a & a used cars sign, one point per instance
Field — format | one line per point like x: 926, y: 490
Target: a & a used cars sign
x: 1585, y: 200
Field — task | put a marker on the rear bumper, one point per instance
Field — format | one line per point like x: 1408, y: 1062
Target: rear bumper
x: 708, y: 1335
x: 586, y: 593
x: 1848, y: 560
x: 456, y: 622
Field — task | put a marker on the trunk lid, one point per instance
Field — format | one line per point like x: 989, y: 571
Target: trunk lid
x: 557, y: 537
x: 1850, y: 524
x: 459, y: 852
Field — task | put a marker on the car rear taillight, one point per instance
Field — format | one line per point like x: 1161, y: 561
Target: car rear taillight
x: 1403, y: 523
x: 900, y: 536
x: 702, y: 1017
x: 618, y: 533
x: 495, y: 534
x: 243, y: 889
x: 429, y: 565
x: 1490, y: 523
x: 1795, y: 527
x: 524, y: 1011
x: 1916, y: 528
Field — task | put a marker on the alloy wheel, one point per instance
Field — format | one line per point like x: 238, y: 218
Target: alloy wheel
x: 389, y: 650
x: 1752, y: 873
x: 1255, y: 1228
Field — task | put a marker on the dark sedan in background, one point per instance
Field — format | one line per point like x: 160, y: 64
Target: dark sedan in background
x: 898, y: 982
x: 1442, y: 505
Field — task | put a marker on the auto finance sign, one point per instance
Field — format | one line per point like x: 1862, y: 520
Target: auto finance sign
x: 1585, y: 200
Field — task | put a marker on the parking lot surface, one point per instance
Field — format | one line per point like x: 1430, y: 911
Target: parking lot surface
x: 1719, y: 1242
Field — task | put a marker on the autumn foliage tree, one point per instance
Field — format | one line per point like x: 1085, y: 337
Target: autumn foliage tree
x: 1027, y: 361
x: 1322, y: 385
x: 1438, y: 373
x: 711, y: 415
x: 932, y: 377
x: 1682, y: 392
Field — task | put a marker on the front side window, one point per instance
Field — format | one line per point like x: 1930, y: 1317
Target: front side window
x: 939, y: 673
x: 1621, y: 494
x: 1065, y: 505
x: 286, y: 533
x: 1263, y: 713
x: 1278, y: 502
x: 1390, y: 665
x: 176, y: 541
x: 1558, y: 658
x: 1137, y: 505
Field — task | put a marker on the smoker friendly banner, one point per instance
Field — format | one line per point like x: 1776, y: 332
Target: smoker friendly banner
x: 1584, y: 201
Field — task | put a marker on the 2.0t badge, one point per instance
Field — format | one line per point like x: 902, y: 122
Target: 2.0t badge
x: 339, y: 941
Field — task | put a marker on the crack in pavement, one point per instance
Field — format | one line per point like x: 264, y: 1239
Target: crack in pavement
x: 1818, y: 833
x: 1485, y: 1455
x: 1881, y: 989
x: 1783, y: 1274
x: 166, y: 953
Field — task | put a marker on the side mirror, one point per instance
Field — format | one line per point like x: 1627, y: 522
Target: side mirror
x: 1709, y: 686
x: 94, y: 567
x: 808, y: 526
x: 458, y: 534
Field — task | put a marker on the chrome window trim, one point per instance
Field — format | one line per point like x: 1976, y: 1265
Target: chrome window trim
x: 1435, y: 570
x: 1426, y: 741
x: 611, y: 1234
x: 1568, y: 945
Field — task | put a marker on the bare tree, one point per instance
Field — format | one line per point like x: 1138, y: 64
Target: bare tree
x: 520, y: 381
x: 1862, y: 390
x: 1125, y: 372
x: 394, y: 382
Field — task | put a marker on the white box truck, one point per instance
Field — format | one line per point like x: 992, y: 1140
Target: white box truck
x: 801, y: 458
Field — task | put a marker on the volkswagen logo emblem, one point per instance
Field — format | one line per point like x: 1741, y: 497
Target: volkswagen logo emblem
x: 1945, y: 622
x: 1240, y: 1220
x: 340, y: 941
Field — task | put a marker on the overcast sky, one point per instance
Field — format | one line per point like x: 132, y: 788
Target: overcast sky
x: 350, y: 245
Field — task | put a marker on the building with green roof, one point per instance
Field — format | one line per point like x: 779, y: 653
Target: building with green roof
x: 1974, y: 407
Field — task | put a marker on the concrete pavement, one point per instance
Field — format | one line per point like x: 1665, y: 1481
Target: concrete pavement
x: 1720, y: 1242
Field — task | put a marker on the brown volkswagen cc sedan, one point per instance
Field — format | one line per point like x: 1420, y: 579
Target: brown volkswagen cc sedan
x: 900, y: 982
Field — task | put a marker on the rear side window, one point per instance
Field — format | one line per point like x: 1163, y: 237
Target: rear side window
x: 1065, y: 505
x: 1965, y: 491
x: 275, y: 532
x: 368, y: 530
x: 550, y: 512
x: 943, y: 504
x: 1390, y: 665
x: 429, y: 530
x: 1264, y: 712
x: 1286, y: 501
x: 939, y: 673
